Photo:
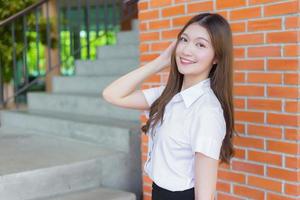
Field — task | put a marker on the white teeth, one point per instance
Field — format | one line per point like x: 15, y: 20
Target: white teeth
x: 186, y: 61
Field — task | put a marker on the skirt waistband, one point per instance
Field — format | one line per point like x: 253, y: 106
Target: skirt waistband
x: 155, y: 186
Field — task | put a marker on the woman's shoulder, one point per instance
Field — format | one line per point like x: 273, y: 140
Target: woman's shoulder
x: 209, y: 101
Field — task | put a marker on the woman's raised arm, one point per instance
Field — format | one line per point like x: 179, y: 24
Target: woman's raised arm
x: 121, y: 92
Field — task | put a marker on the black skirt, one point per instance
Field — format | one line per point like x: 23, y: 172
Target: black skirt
x: 159, y: 193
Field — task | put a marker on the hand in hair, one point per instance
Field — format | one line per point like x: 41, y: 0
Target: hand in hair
x: 165, y: 57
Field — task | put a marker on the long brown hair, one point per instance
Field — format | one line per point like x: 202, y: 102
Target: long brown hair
x: 221, y: 76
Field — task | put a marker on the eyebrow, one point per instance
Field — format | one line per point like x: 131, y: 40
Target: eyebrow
x: 196, y: 37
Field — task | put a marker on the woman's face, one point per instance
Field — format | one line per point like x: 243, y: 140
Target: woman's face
x: 194, y: 52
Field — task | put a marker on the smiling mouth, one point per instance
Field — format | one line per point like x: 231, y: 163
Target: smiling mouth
x: 186, y: 61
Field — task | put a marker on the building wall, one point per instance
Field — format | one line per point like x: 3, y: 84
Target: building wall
x: 266, y: 90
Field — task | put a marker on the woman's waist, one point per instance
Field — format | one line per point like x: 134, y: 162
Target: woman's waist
x: 155, y: 186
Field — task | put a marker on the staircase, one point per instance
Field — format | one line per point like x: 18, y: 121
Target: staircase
x: 70, y: 144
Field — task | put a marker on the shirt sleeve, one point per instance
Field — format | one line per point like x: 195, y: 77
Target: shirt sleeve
x: 207, y: 131
x: 151, y: 94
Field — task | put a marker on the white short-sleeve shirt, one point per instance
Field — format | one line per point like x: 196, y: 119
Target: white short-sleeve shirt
x: 193, y: 122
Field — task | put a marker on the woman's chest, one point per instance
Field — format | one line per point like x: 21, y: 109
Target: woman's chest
x: 173, y: 131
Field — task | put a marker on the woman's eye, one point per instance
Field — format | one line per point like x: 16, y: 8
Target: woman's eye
x: 182, y: 39
x: 201, y: 45
x: 198, y: 44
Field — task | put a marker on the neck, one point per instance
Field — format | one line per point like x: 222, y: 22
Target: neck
x: 189, y: 81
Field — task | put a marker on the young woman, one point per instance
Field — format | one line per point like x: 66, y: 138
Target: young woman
x: 191, y: 118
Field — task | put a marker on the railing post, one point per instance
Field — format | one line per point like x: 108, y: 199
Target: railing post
x: 52, y: 58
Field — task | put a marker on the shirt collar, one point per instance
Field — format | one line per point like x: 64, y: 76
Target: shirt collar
x: 191, y: 94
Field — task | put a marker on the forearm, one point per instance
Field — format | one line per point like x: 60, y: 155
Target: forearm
x: 127, y: 83
x: 210, y: 196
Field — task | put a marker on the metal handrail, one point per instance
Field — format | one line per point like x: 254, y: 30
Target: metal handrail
x: 34, y: 7
x: 21, y: 13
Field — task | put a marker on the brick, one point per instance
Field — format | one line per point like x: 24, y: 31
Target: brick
x: 264, y: 131
x: 245, y: 13
x: 180, y: 21
x: 265, y: 183
x: 282, y: 92
x: 222, y: 4
x: 291, y: 78
x: 249, y: 142
x: 282, y: 37
x: 248, y: 192
x: 159, y: 46
x: 246, y: 39
x: 144, y: 47
x: 264, y: 51
x: 239, y: 77
x: 282, y: 174
x: 170, y: 34
x: 248, y: 90
x: 282, y: 119
x: 291, y: 50
x: 224, y: 14
x: 281, y: 9
x: 147, y: 197
x: 173, y: 11
x: 232, y: 176
x: 147, y: 188
x: 147, y: 15
x: 239, y: 103
x: 292, y: 22
x: 264, y: 24
x: 254, y: 2
x: 248, y: 167
x: 272, y: 196
x: 221, y: 186
x: 292, y: 106
x: 249, y: 64
x: 240, y: 153
x: 199, y: 7
x: 159, y: 3
x: 238, y: 52
x: 180, y: 1
x: 143, y: 26
x: 291, y: 162
x: 264, y: 104
x: 159, y: 24
x: 240, y: 128
x: 292, y: 134
x: 249, y: 116
x: 291, y: 189
x: 282, y: 64
x: 149, y: 36
x: 143, y: 5
x: 254, y: 77
x: 238, y: 26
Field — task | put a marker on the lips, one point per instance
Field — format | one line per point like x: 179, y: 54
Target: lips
x: 186, y: 61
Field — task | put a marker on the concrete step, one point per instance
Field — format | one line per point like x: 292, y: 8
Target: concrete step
x: 94, y: 194
x: 118, y: 51
x: 106, y: 67
x: 122, y: 135
x: 79, y: 103
x: 82, y: 84
x: 33, y: 165
x: 128, y: 37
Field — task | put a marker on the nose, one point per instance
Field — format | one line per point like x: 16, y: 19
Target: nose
x: 187, y: 49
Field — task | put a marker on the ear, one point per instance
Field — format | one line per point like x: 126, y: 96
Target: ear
x: 215, y: 62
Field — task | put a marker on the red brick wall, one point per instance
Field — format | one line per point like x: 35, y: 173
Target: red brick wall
x: 266, y: 88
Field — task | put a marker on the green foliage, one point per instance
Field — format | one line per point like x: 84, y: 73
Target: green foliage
x: 11, y: 7
x: 7, y: 9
